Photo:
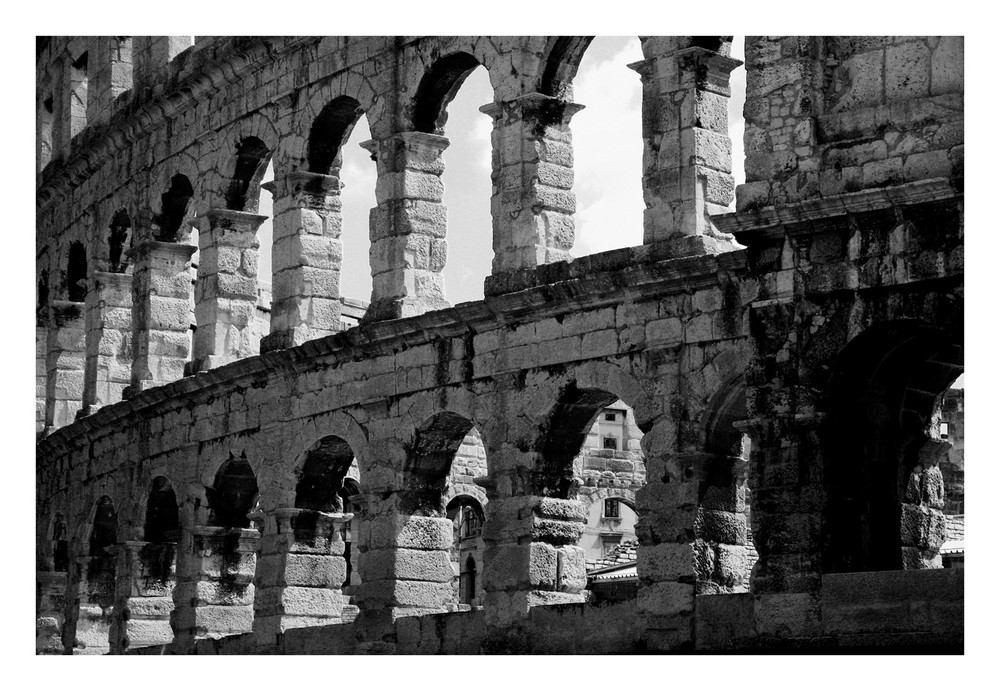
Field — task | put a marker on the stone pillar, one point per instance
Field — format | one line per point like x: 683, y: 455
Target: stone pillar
x: 41, y: 375
x: 720, y: 546
x: 225, y: 293
x: 404, y: 563
x: 300, y: 572
x: 152, y: 53
x: 922, y: 520
x: 144, y: 595
x: 50, y: 604
x: 111, y: 66
x: 408, y: 226
x: 533, y: 201
x: 161, y: 313
x: 89, y: 605
x: 65, y: 363
x: 531, y: 554
x: 687, y: 154
x: 667, y: 509
x: 214, y: 594
x: 305, y: 285
x: 109, y: 339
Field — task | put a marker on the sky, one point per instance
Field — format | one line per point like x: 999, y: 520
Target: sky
x: 607, y: 143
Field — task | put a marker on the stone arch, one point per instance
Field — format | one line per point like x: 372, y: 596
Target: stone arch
x: 102, y: 535
x: 570, y: 411
x: 251, y: 159
x: 438, y: 86
x: 174, y: 208
x: 329, y: 131
x: 351, y: 85
x: 42, y: 294
x: 322, y: 473
x: 161, y: 521
x: 120, y: 233
x: 881, y: 448
x: 561, y: 59
x: 76, y: 272
x: 233, y: 494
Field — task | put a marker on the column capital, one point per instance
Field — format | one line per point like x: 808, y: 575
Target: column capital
x: 422, y: 145
x: 158, y: 248
x: 229, y: 219
x: 534, y: 106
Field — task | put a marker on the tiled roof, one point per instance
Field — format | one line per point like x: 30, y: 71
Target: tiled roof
x: 624, y: 553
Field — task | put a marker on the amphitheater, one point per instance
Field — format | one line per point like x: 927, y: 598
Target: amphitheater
x: 217, y: 473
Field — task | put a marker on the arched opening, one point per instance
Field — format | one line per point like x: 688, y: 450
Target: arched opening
x: 42, y: 308
x: 120, y: 228
x: 101, y: 569
x: 173, y: 209
x: 161, y: 531
x: 883, y: 447
x: 607, y: 170
x: 45, y: 122
x: 334, y: 149
x: 468, y: 584
x: 59, y: 537
x: 724, y: 549
x: 252, y: 158
x: 76, y: 273
x: 438, y: 87
x: 233, y: 495
x: 329, y: 132
x: 451, y: 92
x: 322, y: 477
x: 467, y: 516
x: 347, y: 493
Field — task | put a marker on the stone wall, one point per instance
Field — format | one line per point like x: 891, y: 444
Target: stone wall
x: 826, y: 342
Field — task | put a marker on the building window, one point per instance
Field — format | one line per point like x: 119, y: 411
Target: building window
x: 608, y: 544
x: 471, y: 525
x: 611, y: 443
x: 612, y: 508
x: 610, y: 417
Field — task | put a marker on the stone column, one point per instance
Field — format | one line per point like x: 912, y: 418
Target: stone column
x: 922, y: 520
x: 111, y: 65
x: 408, y: 226
x: 404, y: 563
x: 109, y: 339
x: 65, y: 363
x: 305, y: 285
x: 50, y: 604
x: 161, y: 313
x: 89, y: 605
x: 144, y: 595
x: 531, y: 554
x: 225, y: 293
x: 720, y: 545
x: 687, y: 154
x: 533, y: 201
x: 667, y: 508
x: 41, y: 375
x: 214, y: 594
x: 300, y: 572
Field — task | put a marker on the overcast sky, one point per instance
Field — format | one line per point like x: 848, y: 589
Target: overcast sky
x: 607, y: 143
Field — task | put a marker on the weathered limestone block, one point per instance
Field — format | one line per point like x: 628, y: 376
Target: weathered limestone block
x: 161, y: 312
x: 300, y: 572
x: 306, y: 259
x: 109, y: 339
x: 49, y: 611
x: 687, y: 167
x: 144, y: 595
x: 214, y: 594
x: 226, y: 288
x: 405, y: 259
x: 66, y: 359
x: 533, y: 202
